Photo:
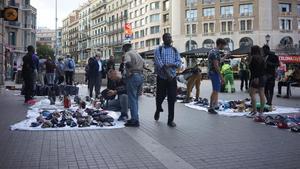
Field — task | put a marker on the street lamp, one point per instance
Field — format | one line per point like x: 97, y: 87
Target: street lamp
x: 268, y: 37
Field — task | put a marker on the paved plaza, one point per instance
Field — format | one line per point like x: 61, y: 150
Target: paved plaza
x: 199, y: 141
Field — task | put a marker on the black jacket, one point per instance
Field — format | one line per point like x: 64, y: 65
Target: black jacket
x: 272, y: 63
x: 93, y: 68
x: 27, y: 68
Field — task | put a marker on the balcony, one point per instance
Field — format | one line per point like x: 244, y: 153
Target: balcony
x: 226, y: 1
x: 248, y: 14
x: 208, y: 17
x: 29, y: 7
x: 246, y: 32
x: 227, y: 33
x: 195, y: 19
x: 27, y: 26
x: 14, y: 5
x: 209, y: 34
x: 120, y: 30
x: 209, y: 2
x: 226, y: 16
x: 193, y: 4
x: 98, y: 5
x: 98, y: 12
x: 285, y: 14
x: 286, y: 31
x: 13, y: 24
x: 99, y: 23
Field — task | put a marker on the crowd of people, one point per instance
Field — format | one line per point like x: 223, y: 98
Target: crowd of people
x: 257, y: 73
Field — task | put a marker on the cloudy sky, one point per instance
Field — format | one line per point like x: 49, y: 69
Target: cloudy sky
x: 46, y: 11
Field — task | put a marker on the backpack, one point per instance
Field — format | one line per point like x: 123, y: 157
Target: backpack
x: 71, y: 64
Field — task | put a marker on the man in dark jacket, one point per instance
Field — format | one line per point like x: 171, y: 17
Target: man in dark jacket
x: 272, y: 63
x: 94, y: 75
x: 118, y: 88
x: 28, y: 73
x: 110, y: 66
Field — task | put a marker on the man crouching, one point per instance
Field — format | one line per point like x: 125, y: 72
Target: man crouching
x: 117, y: 88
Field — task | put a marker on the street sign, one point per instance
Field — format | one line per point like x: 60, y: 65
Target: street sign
x: 289, y: 59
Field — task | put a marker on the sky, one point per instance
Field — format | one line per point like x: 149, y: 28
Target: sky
x: 46, y: 11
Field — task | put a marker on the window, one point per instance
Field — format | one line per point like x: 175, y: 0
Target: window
x: 166, y: 18
x: 136, y: 13
x: 223, y: 26
x: 226, y: 10
x: 154, y: 5
x: 229, y: 26
x: 211, y: 27
x: 142, y: 33
x: 166, y: 5
x: 205, y: 28
x: 188, y: 2
x: 136, y: 45
x: 167, y: 30
x: 285, y: 24
x: 154, y: 18
x: 298, y: 10
x: 136, y: 34
x: 142, y: 11
x: 194, y: 29
x: 208, y: 1
x: 246, y: 10
x: 142, y: 44
x: 154, y: 29
x: 209, y: 12
x: 246, y: 25
x: 142, y: 22
x: 191, y: 15
x: 285, y: 7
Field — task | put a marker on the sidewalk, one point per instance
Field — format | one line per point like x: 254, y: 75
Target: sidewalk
x: 200, y: 141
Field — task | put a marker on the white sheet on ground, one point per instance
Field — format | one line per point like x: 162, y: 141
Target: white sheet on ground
x: 33, y: 113
x: 231, y: 113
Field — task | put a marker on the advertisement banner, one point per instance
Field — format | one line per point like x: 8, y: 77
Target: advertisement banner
x: 128, y: 31
x: 289, y: 59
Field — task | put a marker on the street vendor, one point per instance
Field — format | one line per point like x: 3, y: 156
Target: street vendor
x: 227, y: 72
x: 294, y: 78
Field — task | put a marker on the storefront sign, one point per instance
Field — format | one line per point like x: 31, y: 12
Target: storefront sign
x: 289, y: 59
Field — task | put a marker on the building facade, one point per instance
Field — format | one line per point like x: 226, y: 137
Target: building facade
x: 84, y: 43
x: 117, y: 17
x: 59, y: 42
x: 17, y: 35
x: 244, y: 22
x: 99, y: 40
x: 45, y: 36
x: 65, y: 37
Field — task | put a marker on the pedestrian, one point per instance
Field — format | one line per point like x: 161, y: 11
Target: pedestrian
x: 69, y: 70
x: 272, y: 63
x: 214, y: 61
x: 42, y: 71
x: 94, y: 75
x: 227, y: 73
x: 166, y: 60
x: 244, y: 74
x: 28, y: 70
x: 50, y: 71
x: 110, y: 66
x: 134, y: 64
x: 257, y: 80
x: 60, y: 66
x: 15, y: 70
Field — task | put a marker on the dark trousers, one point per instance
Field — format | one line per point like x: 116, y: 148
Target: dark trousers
x: 288, y: 86
x: 69, y: 77
x: 166, y: 88
x: 59, y: 79
x: 28, y: 87
x: 95, y: 82
x: 244, y: 76
x: 269, y: 89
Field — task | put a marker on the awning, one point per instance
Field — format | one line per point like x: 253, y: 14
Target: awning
x: 197, y: 53
x: 241, y: 51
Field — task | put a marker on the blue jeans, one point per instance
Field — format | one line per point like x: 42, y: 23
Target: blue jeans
x: 134, y: 84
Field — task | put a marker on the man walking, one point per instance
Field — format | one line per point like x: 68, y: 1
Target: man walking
x: 94, y: 75
x: 272, y: 63
x: 60, y: 71
x: 28, y: 71
x: 167, y: 60
x: 69, y: 70
x: 134, y: 64
x: 214, y: 60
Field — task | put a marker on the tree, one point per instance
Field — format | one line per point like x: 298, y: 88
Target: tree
x: 44, y: 50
